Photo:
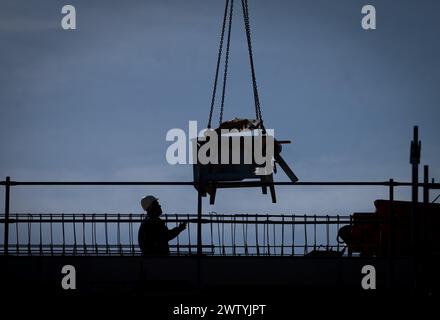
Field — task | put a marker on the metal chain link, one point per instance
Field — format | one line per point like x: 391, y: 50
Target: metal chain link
x: 244, y: 4
x: 225, y: 74
x: 214, y: 89
x: 245, y: 9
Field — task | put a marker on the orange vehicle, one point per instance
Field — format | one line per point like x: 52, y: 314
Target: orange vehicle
x: 388, y: 229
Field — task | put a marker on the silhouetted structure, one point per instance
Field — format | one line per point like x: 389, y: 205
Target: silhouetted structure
x: 153, y: 234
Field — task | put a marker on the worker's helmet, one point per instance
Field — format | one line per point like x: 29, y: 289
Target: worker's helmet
x: 147, y: 201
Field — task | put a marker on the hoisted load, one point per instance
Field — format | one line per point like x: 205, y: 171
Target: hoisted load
x: 240, y: 144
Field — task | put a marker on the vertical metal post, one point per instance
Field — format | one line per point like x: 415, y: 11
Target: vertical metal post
x: 415, y: 161
x: 6, y: 233
x: 391, y: 194
x: 199, y: 238
x: 391, y: 236
x: 425, y: 184
x: 425, y: 237
x: 392, y: 226
x: 425, y: 231
x: 199, y: 223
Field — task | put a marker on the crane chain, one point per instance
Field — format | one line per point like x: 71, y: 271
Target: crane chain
x: 225, y: 73
x: 214, y: 88
x: 245, y: 8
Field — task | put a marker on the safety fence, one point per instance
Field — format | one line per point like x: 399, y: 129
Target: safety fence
x: 209, y: 234
x: 223, y: 234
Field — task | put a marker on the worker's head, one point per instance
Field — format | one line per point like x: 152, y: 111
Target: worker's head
x: 151, y: 205
x: 345, y: 234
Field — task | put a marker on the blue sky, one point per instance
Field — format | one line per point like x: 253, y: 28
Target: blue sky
x: 96, y: 103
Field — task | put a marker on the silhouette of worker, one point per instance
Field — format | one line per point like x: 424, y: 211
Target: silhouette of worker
x: 153, y: 233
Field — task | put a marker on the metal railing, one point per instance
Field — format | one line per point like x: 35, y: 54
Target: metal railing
x: 90, y: 234
x: 116, y: 234
x: 213, y: 234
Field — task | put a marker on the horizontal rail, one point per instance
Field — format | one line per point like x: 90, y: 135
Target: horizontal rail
x: 191, y: 215
x: 310, y: 219
x: 190, y: 221
x: 220, y: 184
x: 98, y: 183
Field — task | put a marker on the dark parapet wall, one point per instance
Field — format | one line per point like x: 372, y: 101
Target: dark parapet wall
x: 137, y: 276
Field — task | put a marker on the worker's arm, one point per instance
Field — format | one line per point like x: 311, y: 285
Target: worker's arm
x: 172, y: 233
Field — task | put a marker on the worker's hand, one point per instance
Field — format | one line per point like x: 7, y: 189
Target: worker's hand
x: 182, y: 226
